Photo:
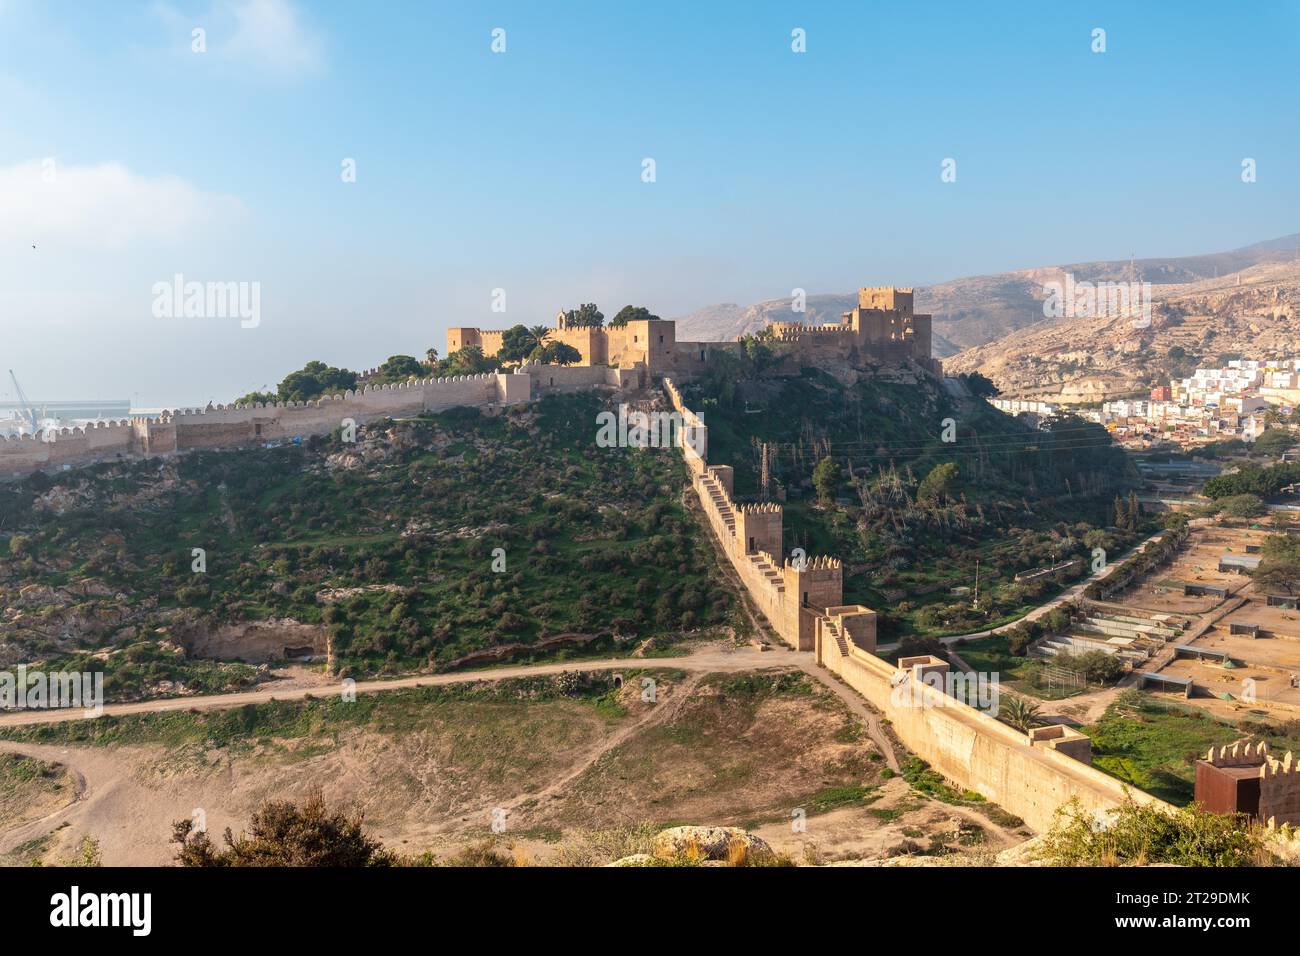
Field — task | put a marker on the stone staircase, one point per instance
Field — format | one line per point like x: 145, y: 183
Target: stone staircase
x: 830, y: 627
x: 769, y: 571
x: 721, y: 504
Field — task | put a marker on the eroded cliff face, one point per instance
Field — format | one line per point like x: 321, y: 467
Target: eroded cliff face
x: 1253, y: 313
x: 256, y: 642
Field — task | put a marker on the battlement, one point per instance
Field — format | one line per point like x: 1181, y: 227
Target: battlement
x: 224, y: 426
x: 819, y: 562
x: 803, y: 604
x: 1243, y: 777
x: 886, y: 298
x: 793, y: 598
x: 1242, y: 753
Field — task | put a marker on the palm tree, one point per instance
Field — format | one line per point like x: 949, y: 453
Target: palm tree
x: 539, y: 332
x: 1019, y: 713
x: 432, y: 356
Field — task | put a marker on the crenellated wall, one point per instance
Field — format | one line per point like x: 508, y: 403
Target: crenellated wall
x: 803, y: 604
x: 1279, y: 780
x: 223, y: 426
x: 792, y: 597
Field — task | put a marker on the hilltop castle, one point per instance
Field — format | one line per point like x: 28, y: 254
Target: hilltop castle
x: 882, y: 329
x: 649, y: 343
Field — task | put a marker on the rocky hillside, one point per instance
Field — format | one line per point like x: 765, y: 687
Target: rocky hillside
x: 431, y: 544
x: 1251, y: 313
x: 972, y: 311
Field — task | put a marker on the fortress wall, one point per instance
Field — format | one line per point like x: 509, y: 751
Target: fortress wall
x: 691, y: 359
x: 69, y: 446
x: 977, y: 751
x: 590, y: 343
x: 965, y: 745
x: 22, y: 454
x: 564, y: 379
x: 223, y: 426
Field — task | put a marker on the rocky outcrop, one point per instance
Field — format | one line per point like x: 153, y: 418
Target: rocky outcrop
x: 714, y: 842
x: 256, y: 642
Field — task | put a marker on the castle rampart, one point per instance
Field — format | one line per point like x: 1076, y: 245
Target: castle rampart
x: 224, y: 426
x: 883, y: 328
x: 803, y: 603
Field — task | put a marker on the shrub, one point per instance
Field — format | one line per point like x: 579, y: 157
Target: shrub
x: 1140, y: 835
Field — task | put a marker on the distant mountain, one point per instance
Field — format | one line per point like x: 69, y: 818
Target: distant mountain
x: 1250, y: 313
x: 978, y: 309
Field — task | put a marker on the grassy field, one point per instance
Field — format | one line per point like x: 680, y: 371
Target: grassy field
x: 1154, y: 744
x: 992, y: 655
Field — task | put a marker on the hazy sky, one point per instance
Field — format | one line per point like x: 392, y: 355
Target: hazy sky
x: 127, y: 158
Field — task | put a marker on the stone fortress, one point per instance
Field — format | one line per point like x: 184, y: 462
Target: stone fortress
x: 650, y: 344
x: 883, y: 329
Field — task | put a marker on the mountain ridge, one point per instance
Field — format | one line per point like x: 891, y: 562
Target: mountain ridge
x: 975, y: 310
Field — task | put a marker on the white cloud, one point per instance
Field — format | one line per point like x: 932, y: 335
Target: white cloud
x: 269, y: 35
x: 105, y: 205
x: 272, y: 33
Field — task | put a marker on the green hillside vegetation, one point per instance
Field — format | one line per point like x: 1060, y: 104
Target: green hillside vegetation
x: 1265, y: 482
x: 868, y: 478
x: 595, y: 541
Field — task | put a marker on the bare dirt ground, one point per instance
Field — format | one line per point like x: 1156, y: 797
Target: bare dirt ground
x: 717, y: 746
x: 33, y: 789
x: 901, y: 820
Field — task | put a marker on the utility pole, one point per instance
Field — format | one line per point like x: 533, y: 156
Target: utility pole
x: 977, y: 584
x: 764, y: 474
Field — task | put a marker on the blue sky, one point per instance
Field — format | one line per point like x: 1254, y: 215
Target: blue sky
x: 522, y: 170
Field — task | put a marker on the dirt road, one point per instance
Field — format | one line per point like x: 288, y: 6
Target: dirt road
x: 707, y: 658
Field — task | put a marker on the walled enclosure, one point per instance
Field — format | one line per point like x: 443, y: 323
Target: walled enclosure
x: 971, y: 748
x: 882, y: 328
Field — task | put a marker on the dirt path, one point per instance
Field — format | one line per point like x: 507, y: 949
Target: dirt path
x: 704, y: 659
x: 807, y: 663
x: 658, y: 714
x: 104, y: 799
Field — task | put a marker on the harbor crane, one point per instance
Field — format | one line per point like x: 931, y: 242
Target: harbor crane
x: 24, y: 405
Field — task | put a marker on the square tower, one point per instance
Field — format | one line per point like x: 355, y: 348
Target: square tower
x: 758, y: 528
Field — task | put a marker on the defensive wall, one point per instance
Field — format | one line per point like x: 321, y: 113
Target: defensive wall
x: 225, y: 426
x: 803, y: 603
